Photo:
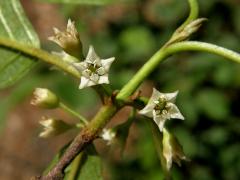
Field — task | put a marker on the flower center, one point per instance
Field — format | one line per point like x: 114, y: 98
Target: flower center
x: 161, y: 106
x: 93, y: 67
x: 93, y: 71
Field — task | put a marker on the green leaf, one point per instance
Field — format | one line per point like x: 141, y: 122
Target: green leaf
x: 86, y: 165
x: 14, y: 25
x: 91, y: 169
x: 88, y: 2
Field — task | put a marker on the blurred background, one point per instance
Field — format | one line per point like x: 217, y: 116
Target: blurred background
x: 209, y: 89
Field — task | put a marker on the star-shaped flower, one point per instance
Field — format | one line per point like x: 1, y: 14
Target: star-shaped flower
x: 93, y: 69
x: 161, y: 107
x: 68, y: 40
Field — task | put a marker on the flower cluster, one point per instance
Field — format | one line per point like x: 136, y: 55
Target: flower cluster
x: 93, y: 69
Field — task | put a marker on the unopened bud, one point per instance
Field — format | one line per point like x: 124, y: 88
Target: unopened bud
x: 172, y: 150
x: 183, y: 33
x: 192, y: 27
x: 53, y: 127
x: 69, y: 40
x: 44, y: 98
x: 108, y: 135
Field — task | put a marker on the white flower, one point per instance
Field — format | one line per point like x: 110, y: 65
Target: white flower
x: 172, y: 150
x: 53, y: 127
x: 161, y: 107
x: 93, y: 69
x: 108, y: 135
x: 69, y: 40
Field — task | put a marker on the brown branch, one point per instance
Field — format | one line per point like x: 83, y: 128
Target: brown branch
x: 88, y: 134
x: 80, y: 142
x: 85, y: 137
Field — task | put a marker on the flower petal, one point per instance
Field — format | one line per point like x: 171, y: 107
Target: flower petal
x: 175, y: 112
x: 45, y: 123
x: 155, y: 96
x: 103, y: 79
x: 101, y: 71
x: 91, y: 83
x: 171, y: 97
x: 47, y: 132
x: 147, y: 110
x: 159, y: 120
x: 91, y: 56
x: 71, y: 28
x: 84, y: 82
x: 106, y: 63
x: 94, y: 78
x: 108, y: 135
x: 56, y: 30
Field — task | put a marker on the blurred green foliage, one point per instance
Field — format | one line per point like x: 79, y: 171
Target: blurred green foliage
x: 209, y: 86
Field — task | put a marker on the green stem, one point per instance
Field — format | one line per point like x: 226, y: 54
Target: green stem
x: 39, y: 54
x: 48, y: 58
x: 202, y: 46
x: 102, y: 117
x: 79, y: 125
x: 162, y: 54
x: 74, y: 113
x: 194, y: 10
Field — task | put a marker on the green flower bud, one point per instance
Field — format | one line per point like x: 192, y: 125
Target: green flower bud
x: 183, y: 33
x: 172, y: 150
x: 53, y: 127
x: 44, y: 98
x: 191, y: 28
